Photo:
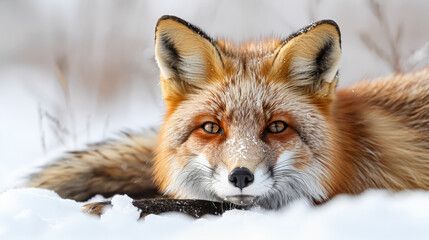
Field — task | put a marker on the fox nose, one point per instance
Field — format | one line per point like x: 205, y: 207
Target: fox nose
x: 241, y: 177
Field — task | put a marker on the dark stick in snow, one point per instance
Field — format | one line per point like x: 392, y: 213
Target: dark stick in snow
x: 191, y: 207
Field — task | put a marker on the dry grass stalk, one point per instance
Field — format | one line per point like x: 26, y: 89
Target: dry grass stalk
x: 391, y: 55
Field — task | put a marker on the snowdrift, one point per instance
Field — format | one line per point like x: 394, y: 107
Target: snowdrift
x: 42, y: 214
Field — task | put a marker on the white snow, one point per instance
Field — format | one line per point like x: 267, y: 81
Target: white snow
x: 41, y: 214
x: 104, y: 49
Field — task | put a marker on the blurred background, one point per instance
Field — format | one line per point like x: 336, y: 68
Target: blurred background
x: 79, y: 71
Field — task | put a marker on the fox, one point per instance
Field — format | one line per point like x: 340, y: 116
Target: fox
x: 259, y: 123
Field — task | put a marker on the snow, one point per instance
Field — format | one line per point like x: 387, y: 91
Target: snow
x: 41, y: 214
x: 104, y: 49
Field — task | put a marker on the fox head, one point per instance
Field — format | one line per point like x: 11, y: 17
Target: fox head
x: 246, y: 123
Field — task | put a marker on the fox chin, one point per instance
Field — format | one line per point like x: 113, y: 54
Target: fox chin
x: 259, y: 123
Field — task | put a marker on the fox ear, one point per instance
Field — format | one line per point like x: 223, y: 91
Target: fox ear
x: 309, y: 59
x: 186, y: 56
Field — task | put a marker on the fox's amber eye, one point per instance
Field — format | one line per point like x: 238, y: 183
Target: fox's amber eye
x: 276, y: 127
x: 211, y: 127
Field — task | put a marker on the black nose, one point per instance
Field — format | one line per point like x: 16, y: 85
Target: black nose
x: 241, y: 177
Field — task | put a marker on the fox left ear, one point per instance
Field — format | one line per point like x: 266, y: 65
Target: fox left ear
x: 187, y: 57
x: 309, y: 59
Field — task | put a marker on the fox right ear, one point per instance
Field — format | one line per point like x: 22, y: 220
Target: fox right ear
x: 186, y: 56
x: 309, y: 59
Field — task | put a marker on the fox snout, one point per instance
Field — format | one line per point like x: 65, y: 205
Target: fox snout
x: 241, y: 177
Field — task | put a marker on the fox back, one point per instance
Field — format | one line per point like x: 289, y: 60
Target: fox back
x: 262, y: 123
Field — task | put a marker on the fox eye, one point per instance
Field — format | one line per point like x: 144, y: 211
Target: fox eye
x: 211, y: 127
x: 276, y: 127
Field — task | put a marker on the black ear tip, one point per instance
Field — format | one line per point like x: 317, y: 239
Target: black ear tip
x: 314, y: 25
x: 166, y: 17
x: 330, y: 22
x: 190, y: 26
x: 321, y: 22
x: 172, y: 17
x: 327, y: 21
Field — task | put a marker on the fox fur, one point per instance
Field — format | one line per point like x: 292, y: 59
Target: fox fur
x: 324, y: 143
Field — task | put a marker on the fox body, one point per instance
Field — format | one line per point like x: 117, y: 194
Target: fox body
x: 260, y: 123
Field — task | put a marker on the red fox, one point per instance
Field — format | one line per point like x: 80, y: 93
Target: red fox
x: 260, y: 123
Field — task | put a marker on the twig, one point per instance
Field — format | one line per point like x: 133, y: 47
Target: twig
x: 59, y: 131
x: 66, y: 90
x: 392, y: 57
x: 88, y: 127
x: 106, y: 126
x: 193, y: 208
x: 41, y: 129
